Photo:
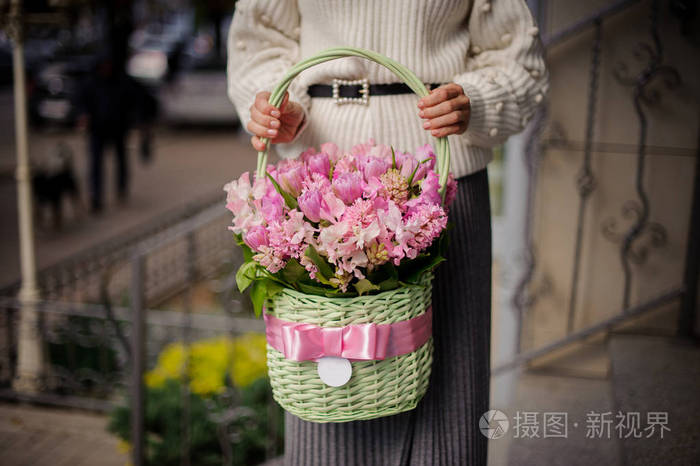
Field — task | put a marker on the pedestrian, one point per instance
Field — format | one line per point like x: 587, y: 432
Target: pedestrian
x: 106, y: 103
x: 486, y: 59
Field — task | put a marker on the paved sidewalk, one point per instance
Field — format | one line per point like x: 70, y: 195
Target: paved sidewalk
x: 188, y: 164
x: 41, y: 436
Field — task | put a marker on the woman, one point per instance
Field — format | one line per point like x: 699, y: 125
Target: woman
x: 486, y: 58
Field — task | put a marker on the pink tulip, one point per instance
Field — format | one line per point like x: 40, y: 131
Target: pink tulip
x: 346, y: 164
x: 310, y: 203
x: 407, y: 165
x: 290, y: 176
x: 256, y: 237
x: 373, y: 167
x: 429, y: 188
x: 331, y: 150
x: 307, y: 153
x: 318, y: 163
x: 426, y: 152
x: 429, y: 194
x: 348, y: 187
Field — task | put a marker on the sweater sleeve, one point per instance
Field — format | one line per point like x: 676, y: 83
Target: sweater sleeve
x: 506, y: 77
x: 263, y: 43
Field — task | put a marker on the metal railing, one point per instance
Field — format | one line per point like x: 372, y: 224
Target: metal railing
x: 101, y: 323
x: 85, y: 276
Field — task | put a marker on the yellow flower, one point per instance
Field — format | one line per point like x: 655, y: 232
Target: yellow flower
x: 123, y: 446
x: 154, y: 379
x: 172, y: 360
x: 209, y: 361
x: 171, y: 363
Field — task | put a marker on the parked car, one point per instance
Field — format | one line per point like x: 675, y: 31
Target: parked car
x: 197, y: 94
x: 156, y: 49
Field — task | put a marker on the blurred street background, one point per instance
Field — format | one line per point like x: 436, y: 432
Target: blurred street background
x: 125, y: 340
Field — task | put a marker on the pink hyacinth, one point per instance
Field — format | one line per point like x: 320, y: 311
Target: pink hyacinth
x: 425, y: 224
x: 450, y: 191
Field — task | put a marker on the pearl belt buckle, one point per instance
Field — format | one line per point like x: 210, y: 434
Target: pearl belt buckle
x: 364, y: 91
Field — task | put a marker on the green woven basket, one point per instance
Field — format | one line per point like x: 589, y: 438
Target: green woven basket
x: 376, y: 388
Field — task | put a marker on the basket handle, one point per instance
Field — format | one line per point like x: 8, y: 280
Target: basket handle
x: 442, y: 146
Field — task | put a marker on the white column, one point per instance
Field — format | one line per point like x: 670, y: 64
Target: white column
x: 508, y: 248
x: 29, y: 353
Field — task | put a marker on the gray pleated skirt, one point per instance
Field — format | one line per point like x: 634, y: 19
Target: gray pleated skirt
x: 444, y: 428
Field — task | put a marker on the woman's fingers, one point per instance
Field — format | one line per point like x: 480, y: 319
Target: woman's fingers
x: 447, y: 130
x: 265, y: 107
x: 445, y: 110
x: 257, y: 144
x: 264, y: 120
x: 453, y: 118
x: 277, y: 125
x: 457, y: 103
x: 260, y: 130
x: 441, y: 94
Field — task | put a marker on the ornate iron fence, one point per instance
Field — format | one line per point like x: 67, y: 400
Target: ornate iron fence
x: 635, y: 233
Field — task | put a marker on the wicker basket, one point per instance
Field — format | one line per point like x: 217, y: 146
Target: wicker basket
x: 376, y: 388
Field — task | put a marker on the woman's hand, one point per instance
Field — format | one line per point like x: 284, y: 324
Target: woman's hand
x: 278, y: 125
x: 445, y: 110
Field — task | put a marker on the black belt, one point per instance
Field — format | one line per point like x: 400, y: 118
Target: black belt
x: 352, y: 91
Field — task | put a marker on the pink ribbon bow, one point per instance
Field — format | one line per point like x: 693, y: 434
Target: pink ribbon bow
x: 365, y: 342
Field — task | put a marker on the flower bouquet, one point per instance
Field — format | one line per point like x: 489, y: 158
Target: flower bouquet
x: 339, y: 248
x: 339, y: 224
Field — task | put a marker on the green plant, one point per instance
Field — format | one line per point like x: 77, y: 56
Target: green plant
x: 231, y: 413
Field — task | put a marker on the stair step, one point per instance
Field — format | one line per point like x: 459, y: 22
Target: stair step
x: 588, y: 358
x: 659, y: 374
x: 571, y: 395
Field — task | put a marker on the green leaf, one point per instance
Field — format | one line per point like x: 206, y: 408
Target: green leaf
x: 273, y: 288
x: 288, y: 198
x: 245, y: 275
x: 393, y: 158
x: 324, y: 268
x: 444, y: 240
x: 258, y: 294
x: 413, y: 174
x: 389, y: 284
x: 321, y: 290
x: 247, y: 252
x: 382, y: 272
x: 316, y: 289
x: 413, y: 269
x: 365, y: 286
x: 293, y: 272
x: 261, y: 291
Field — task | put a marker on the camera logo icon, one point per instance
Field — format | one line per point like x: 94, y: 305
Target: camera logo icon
x: 494, y: 424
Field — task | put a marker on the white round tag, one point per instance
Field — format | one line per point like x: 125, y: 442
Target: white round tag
x: 334, y: 371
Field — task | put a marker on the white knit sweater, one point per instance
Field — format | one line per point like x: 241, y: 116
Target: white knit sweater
x: 490, y: 47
